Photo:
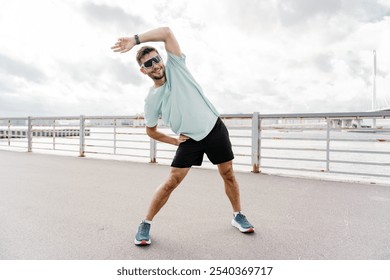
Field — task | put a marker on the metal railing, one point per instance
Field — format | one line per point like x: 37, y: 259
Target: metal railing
x: 336, y: 146
x: 353, y: 144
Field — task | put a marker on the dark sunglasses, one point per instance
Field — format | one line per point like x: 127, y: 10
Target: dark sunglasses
x: 149, y: 63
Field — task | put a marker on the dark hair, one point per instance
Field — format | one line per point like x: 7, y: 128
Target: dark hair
x: 144, y: 51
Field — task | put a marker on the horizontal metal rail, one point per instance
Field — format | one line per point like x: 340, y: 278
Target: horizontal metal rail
x: 294, y: 159
x: 293, y: 138
x: 293, y: 169
x: 238, y: 136
x: 60, y: 150
x: 360, y: 152
x: 361, y: 140
x: 294, y: 149
x: 362, y: 163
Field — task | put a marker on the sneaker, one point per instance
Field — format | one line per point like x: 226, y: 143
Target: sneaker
x: 143, y: 237
x: 240, y: 222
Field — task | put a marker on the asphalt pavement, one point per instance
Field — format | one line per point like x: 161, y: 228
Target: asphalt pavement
x: 69, y: 208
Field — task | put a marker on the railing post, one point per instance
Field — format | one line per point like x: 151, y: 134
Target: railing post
x: 255, y: 143
x: 54, y: 134
x: 82, y: 136
x: 259, y: 141
x: 9, y: 133
x: 153, y: 150
x: 114, y: 136
x: 29, y: 135
x: 327, y: 144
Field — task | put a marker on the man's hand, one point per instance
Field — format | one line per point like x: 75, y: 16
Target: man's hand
x: 182, y: 138
x: 124, y: 44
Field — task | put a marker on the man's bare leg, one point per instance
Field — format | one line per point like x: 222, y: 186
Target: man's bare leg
x: 232, y: 190
x: 162, y: 193
x: 160, y: 197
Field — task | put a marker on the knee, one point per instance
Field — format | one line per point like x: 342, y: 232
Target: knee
x: 228, y: 175
x: 172, y: 182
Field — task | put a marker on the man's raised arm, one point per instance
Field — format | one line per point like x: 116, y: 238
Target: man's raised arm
x: 162, y: 34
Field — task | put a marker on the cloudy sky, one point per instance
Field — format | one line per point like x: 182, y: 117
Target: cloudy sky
x: 270, y: 56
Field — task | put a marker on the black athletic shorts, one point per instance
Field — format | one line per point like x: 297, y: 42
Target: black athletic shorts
x: 216, y: 145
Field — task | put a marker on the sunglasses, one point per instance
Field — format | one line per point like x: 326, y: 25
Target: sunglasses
x: 149, y: 63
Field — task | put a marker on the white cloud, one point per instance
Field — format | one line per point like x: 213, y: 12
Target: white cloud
x: 268, y: 56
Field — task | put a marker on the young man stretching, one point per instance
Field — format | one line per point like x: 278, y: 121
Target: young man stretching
x: 180, y: 101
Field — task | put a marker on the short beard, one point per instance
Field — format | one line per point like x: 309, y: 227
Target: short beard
x: 159, y: 77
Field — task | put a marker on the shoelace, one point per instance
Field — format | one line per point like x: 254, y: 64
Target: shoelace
x: 243, y: 219
x: 144, y: 228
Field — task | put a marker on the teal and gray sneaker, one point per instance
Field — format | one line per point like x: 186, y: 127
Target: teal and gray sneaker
x: 240, y: 222
x: 143, y: 237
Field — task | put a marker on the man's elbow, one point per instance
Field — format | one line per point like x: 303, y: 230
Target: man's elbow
x: 166, y: 29
x: 150, y: 131
x: 168, y: 32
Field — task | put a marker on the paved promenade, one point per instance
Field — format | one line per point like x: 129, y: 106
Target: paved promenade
x: 57, y: 207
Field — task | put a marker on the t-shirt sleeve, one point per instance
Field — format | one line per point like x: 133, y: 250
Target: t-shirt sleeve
x: 151, y: 116
x: 177, y: 60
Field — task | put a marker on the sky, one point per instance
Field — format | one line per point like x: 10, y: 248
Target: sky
x: 267, y: 56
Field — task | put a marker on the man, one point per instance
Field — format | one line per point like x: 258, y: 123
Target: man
x: 180, y: 101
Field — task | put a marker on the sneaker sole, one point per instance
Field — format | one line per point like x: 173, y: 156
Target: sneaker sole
x: 243, y: 230
x: 142, y: 242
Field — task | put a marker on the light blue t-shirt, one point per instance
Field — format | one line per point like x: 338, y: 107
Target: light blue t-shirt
x: 180, y: 102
